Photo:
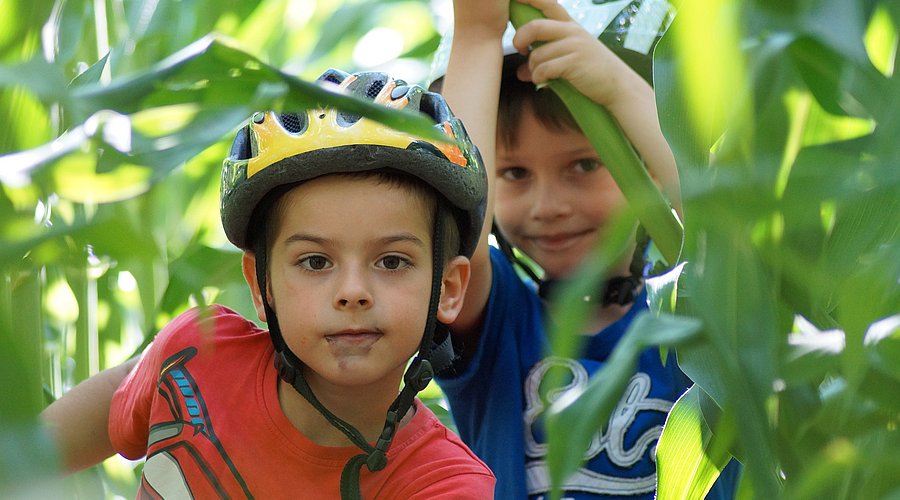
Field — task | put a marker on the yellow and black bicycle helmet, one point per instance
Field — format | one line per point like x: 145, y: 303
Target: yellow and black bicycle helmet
x: 277, y: 149
x: 281, y: 149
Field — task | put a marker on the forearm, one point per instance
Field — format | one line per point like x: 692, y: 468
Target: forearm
x: 472, y: 89
x: 78, y: 420
x: 472, y: 84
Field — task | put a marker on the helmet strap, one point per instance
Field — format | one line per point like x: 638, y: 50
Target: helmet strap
x: 418, y: 374
x: 507, y: 250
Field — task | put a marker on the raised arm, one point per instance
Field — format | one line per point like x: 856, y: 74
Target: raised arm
x: 79, y: 419
x: 569, y: 52
x: 472, y: 88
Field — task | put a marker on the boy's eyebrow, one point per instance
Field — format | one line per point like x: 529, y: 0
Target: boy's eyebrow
x: 303, y: 237
x: 581, y: 150
x: 404, y: 237
x: 394, y: 238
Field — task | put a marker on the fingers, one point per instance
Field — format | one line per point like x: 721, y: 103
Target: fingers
x: 559, y: 47
x: 556, y: 44
x: 523, y: 72
x: 551, y: 69
x: 550, y: 8
x: 543, y: 30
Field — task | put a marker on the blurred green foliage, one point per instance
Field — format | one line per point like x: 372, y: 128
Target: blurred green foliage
x: 118, y: 115
x: 782, y: 117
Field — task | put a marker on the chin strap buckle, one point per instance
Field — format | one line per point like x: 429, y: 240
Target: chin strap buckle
x: 419, y: 374
x: 377, y: 458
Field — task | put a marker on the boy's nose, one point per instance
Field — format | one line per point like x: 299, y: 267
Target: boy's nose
x: 344, y: 303
x: 549, y: 202
x: 352, y: 292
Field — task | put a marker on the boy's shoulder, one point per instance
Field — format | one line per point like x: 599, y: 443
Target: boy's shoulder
x: 441, y: 440
x: 429, y: 454
x: 205, y: 324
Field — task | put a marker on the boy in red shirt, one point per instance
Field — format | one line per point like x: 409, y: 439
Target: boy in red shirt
x: 346, y: 226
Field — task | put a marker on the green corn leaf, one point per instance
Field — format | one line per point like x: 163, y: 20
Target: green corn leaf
x: 689, y: 455
x: 223, y: 82
x: 576, y: 416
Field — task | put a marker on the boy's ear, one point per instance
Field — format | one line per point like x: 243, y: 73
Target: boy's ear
x: 248, y: 264
x: 453, y: 289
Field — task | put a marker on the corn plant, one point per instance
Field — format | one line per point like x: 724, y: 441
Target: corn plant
x: 118, y: 117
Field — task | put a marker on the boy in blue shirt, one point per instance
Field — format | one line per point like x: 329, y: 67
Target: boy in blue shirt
x: 552, y: 198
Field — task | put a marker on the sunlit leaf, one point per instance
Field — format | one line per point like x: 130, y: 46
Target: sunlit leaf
x: 91, y: 74
x: 689, y: 454
x: 346, y: 18
x: 72, y: 17
x: 198, y: 268
x: 825, y: 72
x: 812, y: 353
x: 45, y: 80
x: 662, y: 290
x: 212, y: 72
x: 883, y: 341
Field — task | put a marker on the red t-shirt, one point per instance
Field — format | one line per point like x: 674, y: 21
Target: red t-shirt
x: 202, y: 406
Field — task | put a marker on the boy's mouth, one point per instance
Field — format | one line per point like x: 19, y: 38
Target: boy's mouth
x: 558, y: 241
x: 354, y: 337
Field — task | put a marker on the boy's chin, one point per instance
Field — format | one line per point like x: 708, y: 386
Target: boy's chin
x: 567, y: 272
x: 560, y: 273
x: 562, y: 265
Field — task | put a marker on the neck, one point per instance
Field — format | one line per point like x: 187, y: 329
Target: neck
x: 364, y: 408
x: 604, y: 316
x: 601, y: 316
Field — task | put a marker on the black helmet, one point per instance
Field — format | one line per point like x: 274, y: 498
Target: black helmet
x: 280, y: 149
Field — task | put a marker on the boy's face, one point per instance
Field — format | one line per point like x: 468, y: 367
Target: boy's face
x: 553, y: 195
x: 350, y: 279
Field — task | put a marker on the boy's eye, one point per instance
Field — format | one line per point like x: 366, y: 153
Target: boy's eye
x: 512, y: 173
x: 393, y: 262
x: 587, y: 165
x: 314, y: 263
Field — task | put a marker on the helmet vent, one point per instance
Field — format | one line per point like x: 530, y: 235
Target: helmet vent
x: 346, y: 119
x: 434, y: 106
x: 374, y: 89
x: 332, y: 77
x: 293, y: 122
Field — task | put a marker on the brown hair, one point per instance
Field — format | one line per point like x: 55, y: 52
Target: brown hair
x: 515, y: 95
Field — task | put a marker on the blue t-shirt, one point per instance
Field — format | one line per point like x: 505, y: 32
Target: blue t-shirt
x: 496, y: 405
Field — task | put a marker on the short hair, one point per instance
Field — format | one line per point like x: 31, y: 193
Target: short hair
x: 515, y: 95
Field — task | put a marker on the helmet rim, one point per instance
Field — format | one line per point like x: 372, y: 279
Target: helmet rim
x: 366, y: 157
